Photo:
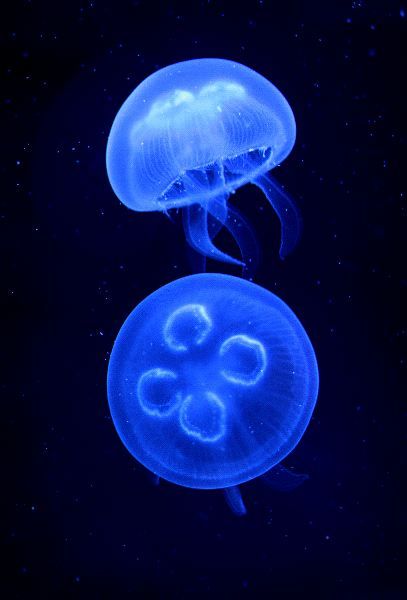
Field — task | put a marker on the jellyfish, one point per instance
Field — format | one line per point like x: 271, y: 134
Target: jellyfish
x: 212, y: 382
x: 189, y: 136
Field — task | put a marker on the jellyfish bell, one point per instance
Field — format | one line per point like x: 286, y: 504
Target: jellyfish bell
x: 212, y: 382
x: 190, y: 135
x: 189, y: 117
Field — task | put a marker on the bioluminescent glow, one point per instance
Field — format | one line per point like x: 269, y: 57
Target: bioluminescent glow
x: 212, y: 381
x: 189, y: 136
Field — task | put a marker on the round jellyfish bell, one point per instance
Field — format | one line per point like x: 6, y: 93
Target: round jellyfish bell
x: 190, y: 135
x: 212, y: 381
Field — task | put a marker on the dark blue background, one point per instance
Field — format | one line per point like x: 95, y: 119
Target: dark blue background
x: 82, y: 518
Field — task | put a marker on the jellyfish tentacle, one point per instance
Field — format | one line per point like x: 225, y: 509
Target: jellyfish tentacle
x: 196, y: 231
x: 217, y: 207
x: 218, y: 214
x: 221, y: 172
x: 195, y: 182
x: 242, y: 232
x: 238, y: 227
x: 215, y: 224
x: 287, y: 212
x: 234, y: 500
x: 197, y: 261
x: 281, y: 479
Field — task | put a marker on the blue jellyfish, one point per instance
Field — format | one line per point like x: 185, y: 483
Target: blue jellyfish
x: 212, y: 382
x: 189, y: 136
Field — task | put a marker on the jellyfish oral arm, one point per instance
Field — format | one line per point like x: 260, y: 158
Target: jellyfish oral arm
x: 240, y: 231
x: 234, y: 500
x: 287, y: 212
x: 196, y: 231
x: 200, y: 232
x: 203, y: 223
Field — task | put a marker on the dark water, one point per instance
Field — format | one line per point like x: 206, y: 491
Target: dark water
x: 82, y: 518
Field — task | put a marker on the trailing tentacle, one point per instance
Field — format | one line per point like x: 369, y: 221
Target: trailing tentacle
x: 235, y: 501
x: 287, y: 212
x: 196, y: 231
x: 241, y: 232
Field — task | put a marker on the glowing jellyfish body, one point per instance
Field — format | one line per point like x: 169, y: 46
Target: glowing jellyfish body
x: 190, y: 135
x: 212, y: 381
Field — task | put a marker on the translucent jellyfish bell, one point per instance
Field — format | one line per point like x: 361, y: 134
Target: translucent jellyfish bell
x: 190, y: 135
x: 212, y: 381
